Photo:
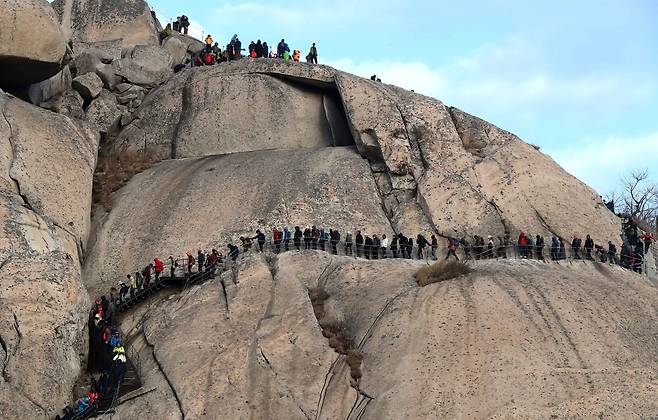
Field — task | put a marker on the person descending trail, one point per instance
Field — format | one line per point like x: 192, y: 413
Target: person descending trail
x: 589, y: 246
x: 523, y: 245
x: 421, y: 243
x: 394, y: 246
x: 190, y: 262
x: 434, y: 244
x: 348, y: 243
x: 159, y: 268
x: 383, y: 246
x: 452, y: 248
x: 297, y: 238
x: 359, y: 244
x: 367, y: 247
x: 172, y: 266
x: 286, y: 238
x: 555, y: 249
x: 260, y: 237
x: 276, y: 237
x: 200, y: 259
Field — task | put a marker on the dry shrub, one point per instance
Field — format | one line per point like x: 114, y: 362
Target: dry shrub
x: 114, y: 171
x: 440, y: 271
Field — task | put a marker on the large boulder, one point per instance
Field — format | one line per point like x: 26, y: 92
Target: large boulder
x: 104, y: 112
x: 69, y: 103
x: 49, y: 88
x: 32, y: 44
x: 437, y: 169
x: 176, y: 48
x: 145, y: 65
x: 513, y: 339
x: 44, y: 213
x: 101, y: 21
x: 88, y: 85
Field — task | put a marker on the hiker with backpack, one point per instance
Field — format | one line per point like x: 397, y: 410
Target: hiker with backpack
x: 209, y: 42
x: 184, y: 24
x: 421, y: 242
x: 280, y: 48
x: 260, y: 237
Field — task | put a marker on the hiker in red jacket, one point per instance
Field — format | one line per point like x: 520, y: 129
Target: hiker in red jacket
x: 159, y: 268
x: 276, y: 237
x: 523, y: 245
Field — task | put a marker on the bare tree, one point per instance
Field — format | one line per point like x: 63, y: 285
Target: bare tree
x: 639, y: 198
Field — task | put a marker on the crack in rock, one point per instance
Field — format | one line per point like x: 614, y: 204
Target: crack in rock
x: 157, y: 362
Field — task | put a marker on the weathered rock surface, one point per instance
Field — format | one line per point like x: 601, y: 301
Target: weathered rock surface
x: 326, y: 187
x: 176, y: 48
x: 104, y: 112
x: 45, y: 198
x: 30, y: 40
x: 145, y: 65
x: 88, y: 85
x: 437, y: 168
x: 49, y: 88
x: 515, y: 338
x: 102, y: 21
x: 68, y: 104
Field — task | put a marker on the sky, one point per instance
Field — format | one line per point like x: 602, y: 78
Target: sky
x: 577, y: 78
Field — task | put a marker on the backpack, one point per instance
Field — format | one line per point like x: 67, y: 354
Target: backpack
x: 207, y: 58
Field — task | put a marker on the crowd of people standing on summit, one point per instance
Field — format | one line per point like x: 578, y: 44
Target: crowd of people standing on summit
x: 213, y: 53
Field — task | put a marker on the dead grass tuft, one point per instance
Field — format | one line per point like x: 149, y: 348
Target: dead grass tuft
x: 114, y: 171
x: 339, y: 333
x: 440, y: 271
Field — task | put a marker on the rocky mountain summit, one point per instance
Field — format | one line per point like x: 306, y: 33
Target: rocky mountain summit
x: 257, y: 143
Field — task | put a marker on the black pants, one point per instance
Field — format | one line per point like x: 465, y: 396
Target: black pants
x: 359, y: 250
x: 348, y: 249
x: 394, y: 251
x: 314, y: 60
x: 333, y: 247
x: 383, y: 253
x: 451, y: 252
x: 286, y: 243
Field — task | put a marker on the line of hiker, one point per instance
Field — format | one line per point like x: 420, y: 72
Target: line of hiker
x: 360, y: 245
x: 107, y: 356
x: 374, y: 246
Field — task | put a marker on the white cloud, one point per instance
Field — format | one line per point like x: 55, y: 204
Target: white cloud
x: 412, y: 75
x: 511, y: 76
x: 601, y: 162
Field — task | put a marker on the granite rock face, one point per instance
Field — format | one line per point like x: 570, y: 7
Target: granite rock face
x: 32, y: 44
x: 102, y: 21
x: 45, y: 201
x: 436, y: 168
x: 514, y: 338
